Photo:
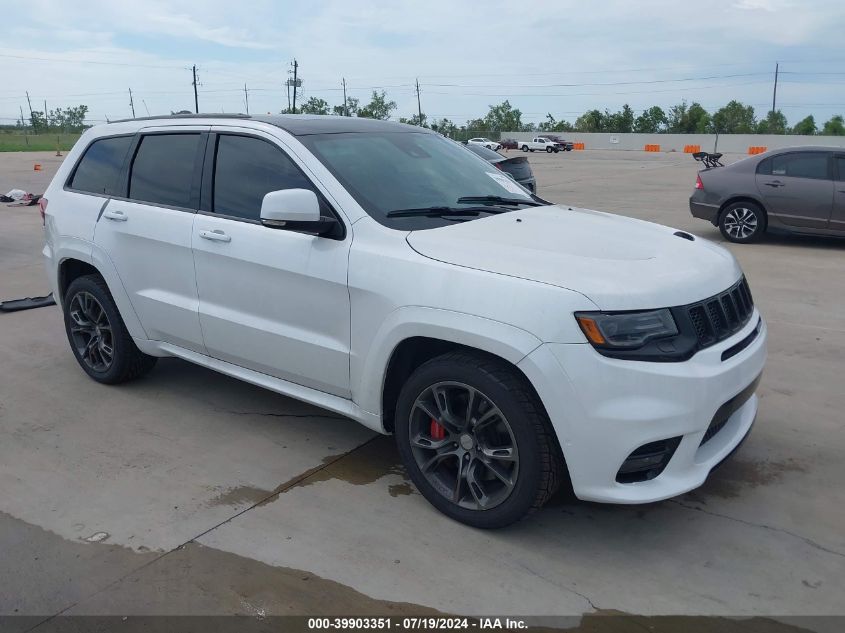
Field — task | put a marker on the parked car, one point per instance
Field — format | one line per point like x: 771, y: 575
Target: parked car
x: 563, y: 144
x: 799, y: 190
x: 509, y: 143
x: 380, y: 271
x: 539, y: 143
x: 517, y: 167
x: 485, y: 142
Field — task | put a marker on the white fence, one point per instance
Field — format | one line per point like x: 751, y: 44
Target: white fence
x: 726, y: 143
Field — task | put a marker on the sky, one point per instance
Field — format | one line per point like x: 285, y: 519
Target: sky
x: 545, y: 56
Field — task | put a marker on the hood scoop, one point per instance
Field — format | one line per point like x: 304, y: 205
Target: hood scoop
x: 684, y: 235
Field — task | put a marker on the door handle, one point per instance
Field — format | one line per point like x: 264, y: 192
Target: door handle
x: 774, y: 183
x: 215, y: 236
x: 117, y: 216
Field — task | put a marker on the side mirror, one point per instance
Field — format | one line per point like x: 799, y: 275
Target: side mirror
x: 295, y: 210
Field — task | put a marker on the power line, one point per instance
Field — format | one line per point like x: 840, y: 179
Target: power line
x: 86, y: 61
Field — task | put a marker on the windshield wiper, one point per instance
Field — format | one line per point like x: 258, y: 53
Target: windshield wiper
x: 440, y: 212
x: 497, y: 200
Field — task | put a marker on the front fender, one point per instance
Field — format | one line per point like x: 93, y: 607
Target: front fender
x: 494, y: 337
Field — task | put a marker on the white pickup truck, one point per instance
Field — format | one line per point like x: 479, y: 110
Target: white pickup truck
x: 541, y: 143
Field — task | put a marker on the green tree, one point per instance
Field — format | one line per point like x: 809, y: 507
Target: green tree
x: 835, y: 126
x: 504, y: 118
x: 806, y: 126
x: 735, y: 118
x: 552, y: 125
x: 378, y: 107
x: 591, y: 121
x: 351, y: 107
x: 314, y: 105
x: 621, y: 121
x: 415, y: 120
x: 688, y: 119
x: 445, y: 127
x: 774, y: 123
x: 651, y: 121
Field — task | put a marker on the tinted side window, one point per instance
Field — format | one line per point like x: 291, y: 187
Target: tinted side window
x: 163, y: 169
x: 765, y: 167
x: 248, y: 168
x: 840, y: 161
x: 100, y: 166
x: 801, y: 165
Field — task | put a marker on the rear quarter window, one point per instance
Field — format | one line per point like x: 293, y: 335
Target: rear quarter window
x: 100, y: 165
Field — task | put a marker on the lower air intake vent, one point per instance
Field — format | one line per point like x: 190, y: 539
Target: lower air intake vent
x: 648, y: 461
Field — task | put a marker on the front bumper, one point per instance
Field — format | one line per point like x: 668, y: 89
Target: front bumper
x: 603, y: 409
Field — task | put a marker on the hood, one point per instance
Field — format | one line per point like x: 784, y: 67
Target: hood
x: 619, y: 263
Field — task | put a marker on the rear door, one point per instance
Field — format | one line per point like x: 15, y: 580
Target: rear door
x: 837, y: 217
x: 797, y: 187
x: 271, y: 300
x: 146, y: 232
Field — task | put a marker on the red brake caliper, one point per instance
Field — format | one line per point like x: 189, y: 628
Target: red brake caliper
x: 438, y: 431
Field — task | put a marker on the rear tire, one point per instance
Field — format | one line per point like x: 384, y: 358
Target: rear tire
x: 97, y: 335
x: 524, y: 148
x: 742, y: 222
x: 494, y: 459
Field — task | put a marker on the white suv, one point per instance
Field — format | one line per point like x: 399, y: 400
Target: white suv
x: 381, y: 272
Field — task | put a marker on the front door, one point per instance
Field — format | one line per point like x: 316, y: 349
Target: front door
x: 797, y: 187
x: 270, y: 300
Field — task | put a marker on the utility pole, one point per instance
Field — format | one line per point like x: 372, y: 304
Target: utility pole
x: 775, y: 92
x: 295, y: 67
x: 419, y: 107
x: 31, y: 117
x: 131, y: 103
x: 345, y: 105
x: 46, y: 120
x: 196, y: 99
x: 246, y: 98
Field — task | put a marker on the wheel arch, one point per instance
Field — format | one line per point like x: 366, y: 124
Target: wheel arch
x: 742, y: 198
x: 70, y: 269
x: 100, y: 263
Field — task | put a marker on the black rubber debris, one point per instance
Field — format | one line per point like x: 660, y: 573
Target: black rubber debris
x: 14, y: 305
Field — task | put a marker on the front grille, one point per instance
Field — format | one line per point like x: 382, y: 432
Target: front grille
x: 723, y: 315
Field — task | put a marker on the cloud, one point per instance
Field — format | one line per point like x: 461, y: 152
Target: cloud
x: 466, y: 55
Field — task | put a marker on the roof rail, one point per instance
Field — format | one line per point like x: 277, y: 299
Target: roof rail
x: 210, y: 115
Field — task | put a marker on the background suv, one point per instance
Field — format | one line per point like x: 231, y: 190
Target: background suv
x: 383, y: 272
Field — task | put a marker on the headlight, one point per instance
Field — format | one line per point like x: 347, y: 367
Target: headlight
x: 626, y: 330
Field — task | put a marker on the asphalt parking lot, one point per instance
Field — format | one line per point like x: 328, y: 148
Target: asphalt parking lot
x: 188, y: 492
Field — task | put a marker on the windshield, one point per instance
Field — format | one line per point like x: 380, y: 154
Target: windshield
x: 394, y: 171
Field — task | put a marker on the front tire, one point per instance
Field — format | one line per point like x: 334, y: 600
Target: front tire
x: 549, y: 150
x: 476, y: 441
x: 742, y: 222
x: 97, y: 335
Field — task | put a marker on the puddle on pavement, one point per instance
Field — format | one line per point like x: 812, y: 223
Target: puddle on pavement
x: 363, y: 465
